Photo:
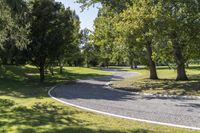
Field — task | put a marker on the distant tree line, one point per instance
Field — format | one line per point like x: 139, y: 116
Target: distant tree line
x: 147, y: 32
x: 40, y: 32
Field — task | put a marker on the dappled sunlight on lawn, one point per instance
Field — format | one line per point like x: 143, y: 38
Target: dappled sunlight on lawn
x: 47, y: 117
x: 26, y: 107
x: 15, y: 82
x: 165, y: 85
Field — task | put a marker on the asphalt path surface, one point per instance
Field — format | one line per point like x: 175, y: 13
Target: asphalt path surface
x: 94, y: 94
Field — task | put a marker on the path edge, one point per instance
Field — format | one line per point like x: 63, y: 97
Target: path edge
x: 119, y: 116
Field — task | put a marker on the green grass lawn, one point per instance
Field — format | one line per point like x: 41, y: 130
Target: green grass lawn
x: 165, y: 85
x: 25, y: 106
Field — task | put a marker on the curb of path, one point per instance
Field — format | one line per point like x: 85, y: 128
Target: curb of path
x: 119, y: 116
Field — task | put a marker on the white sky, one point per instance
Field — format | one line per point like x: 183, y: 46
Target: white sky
x: 87, y: 17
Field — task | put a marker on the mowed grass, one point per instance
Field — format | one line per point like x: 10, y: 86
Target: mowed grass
x: 166, y: 83
x: 25, y: 106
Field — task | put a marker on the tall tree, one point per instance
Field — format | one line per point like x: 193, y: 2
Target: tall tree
x: 87, y: 46
x: 69, y: 41
x: 72, y: 51
x: 104, y: 35
x: 180, y: 22
x: 44, y: 35
x: 138, y: 21
x: 14, y: 27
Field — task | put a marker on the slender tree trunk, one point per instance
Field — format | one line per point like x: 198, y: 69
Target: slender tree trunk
x: 131, y: 62
x: 187, y: 65
x: 61, y: 68
x: 51, y: 70
x: 87, y: 62
x: 118, y: 62
x: 152, y: 64
x: 42, y: 77
x: 132, y: 66
x: 107, y: 63
x: 135, y: 65
x: 181, y: 74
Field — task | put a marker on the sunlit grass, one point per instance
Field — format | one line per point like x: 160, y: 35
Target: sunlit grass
x: 166, y: 83
x: 25, y: 106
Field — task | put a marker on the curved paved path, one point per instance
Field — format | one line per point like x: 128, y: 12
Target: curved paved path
x: 95, y: 95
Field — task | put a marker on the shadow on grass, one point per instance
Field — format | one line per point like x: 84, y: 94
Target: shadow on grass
x: 38, y: 115
x: 167, y: 86
x: 87, y: 130
x: 15, y: 82
x: 45, y: 117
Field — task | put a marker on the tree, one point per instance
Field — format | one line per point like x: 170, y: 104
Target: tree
x: 44, y: 34
x: 104, y: 36
x: 69, y: 41
x: 14, y: 27
x: 17, y: 6
x: 138, y: 22
x: 116, y: 5
x: 11, y: 54
x: 70, y: 51
x: 171, y: 26
x: 5, y: 21
x: 180, y: 22
x: 87, y: 46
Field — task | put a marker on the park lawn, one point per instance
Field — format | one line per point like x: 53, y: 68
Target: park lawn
x: 166, y: 83
x: 25, y: 106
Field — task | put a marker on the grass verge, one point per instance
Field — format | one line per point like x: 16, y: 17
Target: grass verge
x: 165, y: 85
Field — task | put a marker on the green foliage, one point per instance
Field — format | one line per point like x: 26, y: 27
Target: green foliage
x: 88, y: 48
x: 126, y: 32
x: 17, y: 6
x: 44, y: 35
x: 181, y: 24
x: 54, y: 34
x: 103, y: 37
x: 116, y: 5
x: 168, y: 31
x: 14, y: 28
x: 73, y: 51
x: 69, y: 38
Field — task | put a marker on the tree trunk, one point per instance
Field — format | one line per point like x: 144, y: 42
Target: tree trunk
x: 61, y: 68
x: 135, y: 65
x: 132, y: 66
x: 187, y: 65
x: 131, y: 63
x: 107, y: 63
x: 152, y: 64
x: 42, y: 77
x: 51, y: 70
x: 86, y: 61
x: 181, y: 74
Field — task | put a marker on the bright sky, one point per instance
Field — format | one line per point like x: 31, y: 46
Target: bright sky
x: 86, y: 17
